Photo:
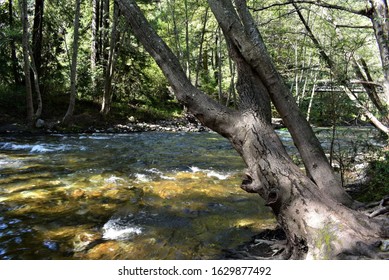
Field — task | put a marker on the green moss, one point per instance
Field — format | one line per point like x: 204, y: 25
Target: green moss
x: 325, y: 240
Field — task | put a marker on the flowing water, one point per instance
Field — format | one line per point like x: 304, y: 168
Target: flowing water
x: 124, y: 196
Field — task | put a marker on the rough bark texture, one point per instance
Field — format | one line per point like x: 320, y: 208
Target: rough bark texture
x: 316, y: 222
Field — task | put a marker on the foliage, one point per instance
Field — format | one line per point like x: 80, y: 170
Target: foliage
x: 378, y: 185
x: 12, y: 100
x: 193, y: 34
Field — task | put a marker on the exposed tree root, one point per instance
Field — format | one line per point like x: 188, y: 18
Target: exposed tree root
x: 377, y: 208
x: 368, y: 252
x: 271, y: 244
x: 267, y: 245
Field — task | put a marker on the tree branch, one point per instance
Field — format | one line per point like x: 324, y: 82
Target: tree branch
x: 344, y: 81
x: 354, y: 27
x: 364, y: 12
x: 210, y: 113
x: 238, y: 24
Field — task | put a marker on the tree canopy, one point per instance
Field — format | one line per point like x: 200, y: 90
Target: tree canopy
x: 114, y: 69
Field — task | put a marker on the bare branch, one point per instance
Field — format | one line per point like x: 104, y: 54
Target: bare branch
x: 363, y: 12
x: 363, y: 82
x: 354, y: 27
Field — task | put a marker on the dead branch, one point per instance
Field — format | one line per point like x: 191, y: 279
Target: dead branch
x: 364, y: 12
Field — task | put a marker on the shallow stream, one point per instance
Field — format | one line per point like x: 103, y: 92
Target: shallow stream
x: 147, y: 195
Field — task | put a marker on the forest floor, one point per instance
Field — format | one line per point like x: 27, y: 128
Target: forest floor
x: 87, y: 119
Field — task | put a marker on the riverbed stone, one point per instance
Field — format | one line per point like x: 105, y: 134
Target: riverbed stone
x: 77, y: 194
x: 385, y: 245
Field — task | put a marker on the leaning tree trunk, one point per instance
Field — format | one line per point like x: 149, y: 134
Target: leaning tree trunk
x: 316, y: 224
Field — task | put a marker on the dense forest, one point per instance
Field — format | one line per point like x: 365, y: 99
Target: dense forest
x: 234, y: 65
x: 82, y: 59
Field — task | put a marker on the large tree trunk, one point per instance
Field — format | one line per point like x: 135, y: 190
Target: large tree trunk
x: 240, y: 27
x: 316, y: 223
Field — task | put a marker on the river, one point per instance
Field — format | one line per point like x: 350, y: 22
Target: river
x: 153, y: 195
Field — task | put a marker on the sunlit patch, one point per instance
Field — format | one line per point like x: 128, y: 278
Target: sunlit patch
x: 119, y: 229
x: 132, y: 197
x: 211, y: 173
x: 142, y: 177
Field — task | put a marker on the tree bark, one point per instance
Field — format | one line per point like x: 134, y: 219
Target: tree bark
x: 187, y: 47
x: 94, y: 45
x: 13, y: 45
x: 73, y: 71
x: 317, y: 226
x: 244, y: 34
x: 34, y: 70
x: 107, y: 96
x: 201, y: 47
x: 37, y: 35
x: 27, y: 77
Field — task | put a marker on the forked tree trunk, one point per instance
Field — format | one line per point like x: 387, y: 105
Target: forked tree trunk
x: 315, y: 219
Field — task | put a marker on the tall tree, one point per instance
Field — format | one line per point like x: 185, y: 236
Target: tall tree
x: 110, y: 67
x: 380, y: 19
x: 26, y: 53
x: 344, y: 80
x: 94, y: 43
x: 13, y: 45
x: 37, y: 35
x: 317, y: 217
x: 73, y: 70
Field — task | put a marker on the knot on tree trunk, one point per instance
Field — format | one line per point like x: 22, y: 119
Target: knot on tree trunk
x: 272, y: 197
x: 248, y: 184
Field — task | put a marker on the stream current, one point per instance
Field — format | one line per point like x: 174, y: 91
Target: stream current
x: 150, y: 195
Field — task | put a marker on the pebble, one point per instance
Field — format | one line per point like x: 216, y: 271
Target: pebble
x: 385, y: 245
